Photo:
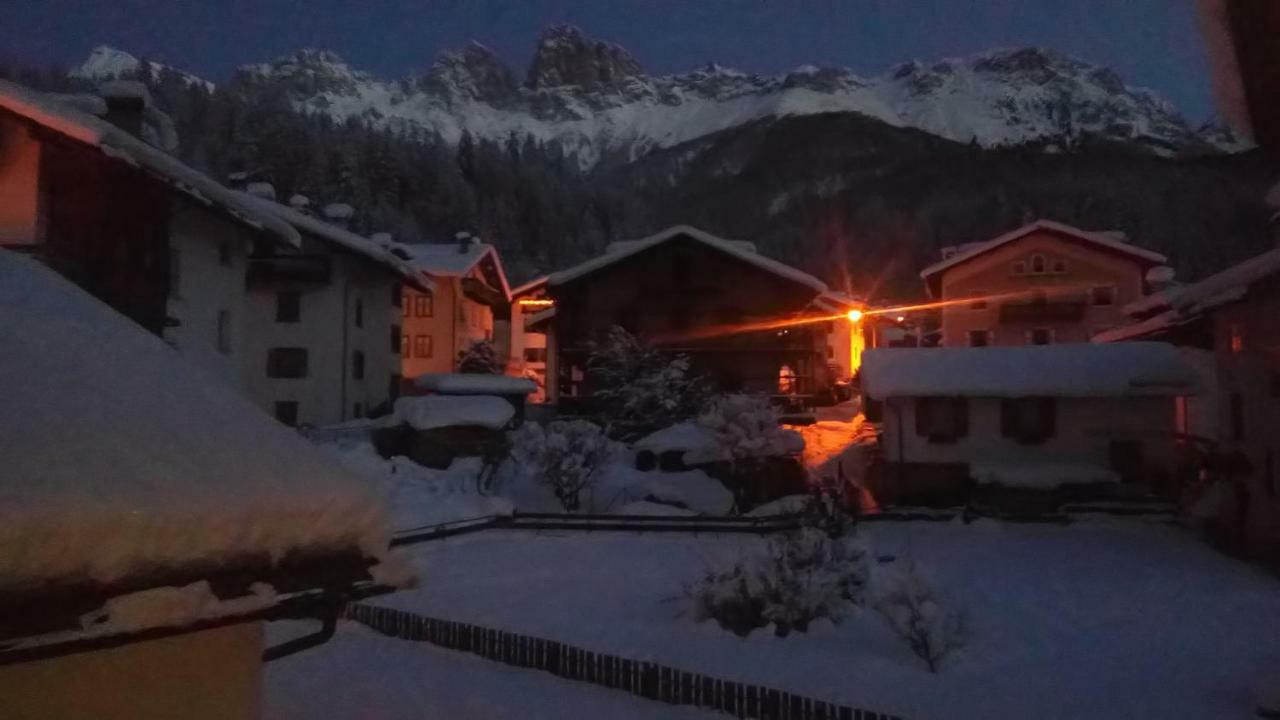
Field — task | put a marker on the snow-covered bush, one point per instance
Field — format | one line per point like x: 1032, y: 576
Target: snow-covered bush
x: 480, y: 357
x: 745, y: 429
x: 565, y: 455
x: 799, y: 578
x: 916, y: 615
x: 638, y: 389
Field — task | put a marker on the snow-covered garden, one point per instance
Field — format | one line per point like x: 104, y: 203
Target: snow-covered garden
x: 1107, y: 618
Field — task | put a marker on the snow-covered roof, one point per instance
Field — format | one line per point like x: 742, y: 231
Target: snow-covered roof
x: 383, y: 253
x: 1075, y: 370
x: 730, y: 247
x: 474, y: 384
x: 1185, y: 303
x: 455, y: 259
x: 429, y: 412
x: 133, y: 463
x: 1101, y: 239
x: 530, y: 286
x: 48, y: 112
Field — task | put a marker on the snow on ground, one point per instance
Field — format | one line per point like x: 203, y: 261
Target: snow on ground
x: 360, y: 675
x: 1103, y: 619
x: 1041, y: 475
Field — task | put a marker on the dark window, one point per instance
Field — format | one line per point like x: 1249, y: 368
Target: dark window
x: 1059, y: 267
x: 1275, y: 383
x: 1040, y: 336
x: 422, y: 346
x: 535, y: 354
x: 287, y: 412
x: 359, y: 312
x: 224, y: 332
x: 287, y: 362
x: 942, y: 420
x: 1037, y: 264
x: 1029, y: 421
x: 404, y: 346
x: 357, y: 410
x: 979, y: 338
x: 393, y: 387
x: 288, y: 306
x: 224, y: 252
x: 395, y: 339
x: 397, y: 294
x: 357, y: 364
x: 423, y: 305
x: 1237, y: 416
x: 1103, y: 295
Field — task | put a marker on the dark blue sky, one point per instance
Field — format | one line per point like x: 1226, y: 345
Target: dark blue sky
x: 1153, y: 43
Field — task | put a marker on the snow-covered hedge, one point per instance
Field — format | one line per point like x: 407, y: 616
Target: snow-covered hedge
x: 743, y: 427
x: 564, y: 455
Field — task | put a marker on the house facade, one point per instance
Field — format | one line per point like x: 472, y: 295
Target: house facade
x: 470, y: 302
x: 161, y: 243
x: 730, y: 309
x: 324, y: 323
x: 1071, y: 414
x: 529, y: 346
x: 1041, y: 284
x: 1230, y: 317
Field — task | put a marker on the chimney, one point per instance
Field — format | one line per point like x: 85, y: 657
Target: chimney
x: 127, y: 102
x: 465, y: 241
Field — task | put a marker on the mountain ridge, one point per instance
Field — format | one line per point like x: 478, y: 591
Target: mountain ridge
x: 597, y: 102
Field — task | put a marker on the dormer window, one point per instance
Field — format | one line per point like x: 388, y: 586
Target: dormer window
x: 1037, y: 264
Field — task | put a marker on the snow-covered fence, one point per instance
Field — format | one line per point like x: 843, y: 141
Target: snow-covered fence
x: 645, y: 679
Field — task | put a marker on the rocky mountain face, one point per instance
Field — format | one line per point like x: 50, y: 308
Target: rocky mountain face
x: 596, y: 101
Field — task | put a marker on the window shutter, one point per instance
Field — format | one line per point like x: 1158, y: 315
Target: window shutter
x: 961, y: 409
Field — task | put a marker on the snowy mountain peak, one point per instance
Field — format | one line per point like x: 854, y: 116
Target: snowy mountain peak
x: 473, y: 73
x: 107, y: 63
x: 567, y: 56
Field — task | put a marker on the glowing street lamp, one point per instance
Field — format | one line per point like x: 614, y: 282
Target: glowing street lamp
x: 854, y: 315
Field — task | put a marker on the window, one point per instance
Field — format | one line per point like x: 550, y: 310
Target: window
x: 359, y: 312
x: 357, y: 410
x: 979, y: 338
x: 1029, y: 421
x: 1037, y: 264
x: 422, y: 346
x: 942, y: 420
x: 1059, y: 267
x: 1040, y: 336
x: 287, y: 412
x: 423, y: 305
x: 1237, y: 338
x: 288, y: 306
x: 1020, y: 268
x: 224, y: 332
x: 357, y: 365
x: 175, y: 272
x: 224, y: 252
x: 287, y: 362
x: 1275, y: 383
x: 535, y: 354
x: 405, y: 348
x: 405, y: 304
x: 1103, y: 295
x: 395, y: 339
x: 1237, y: 417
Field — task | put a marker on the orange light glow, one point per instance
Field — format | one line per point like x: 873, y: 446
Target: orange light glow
x: 900, y: 318
x: 537, y: 303
x: 738, y: 328
x: 1024, y: 294
x: 854, y: 315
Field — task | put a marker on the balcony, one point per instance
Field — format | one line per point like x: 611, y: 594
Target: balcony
x: 267, y: 271
x: 1042, y: 311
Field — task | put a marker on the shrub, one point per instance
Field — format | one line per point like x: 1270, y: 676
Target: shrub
x: 746, y: 429
x: 917, y: 616
x: 565, y: 455
x: 480, y: 357
x: 800, y: 577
